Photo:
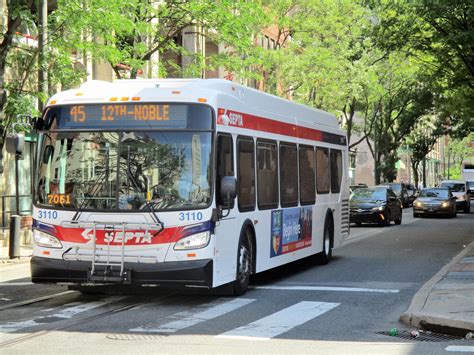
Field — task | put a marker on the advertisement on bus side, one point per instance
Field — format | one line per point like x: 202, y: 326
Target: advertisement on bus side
x: 291, y: 230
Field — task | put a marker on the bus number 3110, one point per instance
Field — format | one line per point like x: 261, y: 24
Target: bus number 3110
x: 190, y: 216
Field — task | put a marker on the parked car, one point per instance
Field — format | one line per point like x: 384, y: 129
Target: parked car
x: 435, y: 201
x: 375, y: 205
x: 358, y: 186
x: 412, y: 191
x: 470, y: 186
x: 400, y: 190
x: 460, y: 190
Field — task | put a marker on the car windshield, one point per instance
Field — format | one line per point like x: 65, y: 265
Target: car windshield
x: 435, y: 193
x: 397, y: 188
x: 454, y: 186
x: 125, y: 170
x: 365, y: 194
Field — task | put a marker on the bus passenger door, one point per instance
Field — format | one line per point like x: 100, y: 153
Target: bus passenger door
x: 224, y: 268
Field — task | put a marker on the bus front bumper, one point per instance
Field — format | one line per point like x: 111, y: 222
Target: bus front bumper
x: 176, y: 273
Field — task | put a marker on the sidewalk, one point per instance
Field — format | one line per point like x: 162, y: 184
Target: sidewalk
x: 446, y: 302
x: 26, y: 252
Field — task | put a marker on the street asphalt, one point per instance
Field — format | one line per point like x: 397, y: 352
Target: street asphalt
x: 348, y: 306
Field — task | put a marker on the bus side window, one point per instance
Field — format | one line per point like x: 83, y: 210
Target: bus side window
x: 307, y: 176
x: 267, y: 174
x: 225, y: 163
x: 288, y: 175
x: 246, y: 174
x: 323, y: 181
x: 336, y: 170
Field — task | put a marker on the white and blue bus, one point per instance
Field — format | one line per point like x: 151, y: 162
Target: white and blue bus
x: 199, y: 183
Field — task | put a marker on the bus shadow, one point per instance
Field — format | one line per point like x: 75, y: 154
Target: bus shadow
x: 286, y: 271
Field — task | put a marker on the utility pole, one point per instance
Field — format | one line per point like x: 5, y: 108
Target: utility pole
x: 42, y: 41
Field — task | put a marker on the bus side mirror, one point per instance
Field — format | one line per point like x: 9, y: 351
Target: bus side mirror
x: 15, y: 143
x: 228, y: 190
x: 48, y: 153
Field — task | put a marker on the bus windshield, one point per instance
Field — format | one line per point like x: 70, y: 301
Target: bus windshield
x: 125, y: 170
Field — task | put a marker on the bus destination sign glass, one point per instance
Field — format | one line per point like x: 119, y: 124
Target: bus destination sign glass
x: 120, y: 115
x: 112, y: 112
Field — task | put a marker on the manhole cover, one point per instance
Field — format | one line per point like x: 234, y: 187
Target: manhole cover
x: 424, y: 336
x: 134, y: 337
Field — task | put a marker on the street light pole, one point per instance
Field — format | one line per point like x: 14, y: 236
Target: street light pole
x: 42, y: 40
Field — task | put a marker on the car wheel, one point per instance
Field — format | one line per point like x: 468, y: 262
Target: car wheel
x: 398, y: 221
x: 467, y: 208
x: 244, y: 264
x: 416, y: 215
x: 387, y: 219
x: 358, y: 223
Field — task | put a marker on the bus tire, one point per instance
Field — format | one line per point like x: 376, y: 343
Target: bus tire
x: 325, y: 256
x: 244, y: 263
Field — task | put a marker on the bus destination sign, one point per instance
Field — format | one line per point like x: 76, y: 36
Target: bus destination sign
x: 123, y: 112
x: 129, y: 115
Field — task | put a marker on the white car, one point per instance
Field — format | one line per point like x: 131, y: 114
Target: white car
x: 460, y: 190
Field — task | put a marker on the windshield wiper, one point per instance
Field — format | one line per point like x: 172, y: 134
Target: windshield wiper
x: 147, y: 203
x: 94, y: 191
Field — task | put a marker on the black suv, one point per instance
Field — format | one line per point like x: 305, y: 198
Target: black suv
x: 400, y: 190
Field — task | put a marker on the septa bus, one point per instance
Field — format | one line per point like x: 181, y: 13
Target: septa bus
x: 199, y: 183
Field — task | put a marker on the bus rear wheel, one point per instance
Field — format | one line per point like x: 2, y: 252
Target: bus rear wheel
x: 326, y: 255
x: 244, y: 263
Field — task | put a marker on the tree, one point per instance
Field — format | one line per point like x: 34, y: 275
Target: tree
x: 128, y: 33
x: 441, y: 35
x: 421, y: 141
x: 456, y: 152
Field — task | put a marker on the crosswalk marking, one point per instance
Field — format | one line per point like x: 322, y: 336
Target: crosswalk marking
x: 188, y: 319
x: 280, y: 322
x: 460, y: 348
x: 327, y: 288
x: 71, y: 310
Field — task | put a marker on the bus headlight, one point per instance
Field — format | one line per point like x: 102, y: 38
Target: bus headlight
x: 195, y: 241
x: 46, y: 240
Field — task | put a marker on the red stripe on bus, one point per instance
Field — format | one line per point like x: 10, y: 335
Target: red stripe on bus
x: 132, y: 237
x: 268, y: 125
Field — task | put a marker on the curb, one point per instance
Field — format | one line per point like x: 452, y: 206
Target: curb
x: 414, y: 315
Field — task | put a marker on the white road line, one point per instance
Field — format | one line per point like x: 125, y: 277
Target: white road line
x: 460, y: 348
x: 327, y: 288
x: 3, y: 284
x: 280, y: 322
x: 187, y: 319
x: 65, y: 313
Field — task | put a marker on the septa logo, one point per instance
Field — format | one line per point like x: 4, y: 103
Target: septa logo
x: 120, y: 237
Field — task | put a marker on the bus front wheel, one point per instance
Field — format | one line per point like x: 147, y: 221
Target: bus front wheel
x: 244, y: 263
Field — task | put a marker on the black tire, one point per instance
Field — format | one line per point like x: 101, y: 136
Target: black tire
x: 325, y: 256
x: 387, y: 219
x: 358, y: 223
x: 467, y: 208
x: 244, y: 263
x: 416, y: 215
x: 398, y: 221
